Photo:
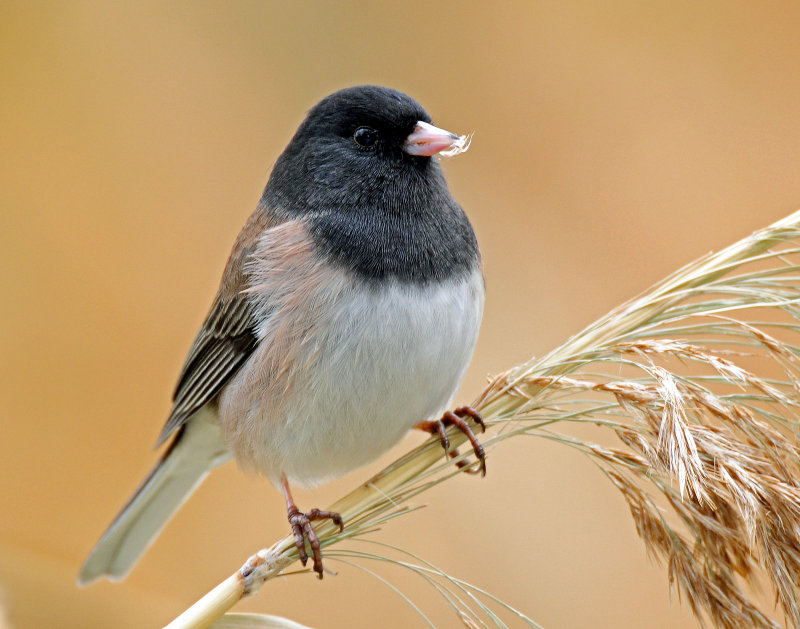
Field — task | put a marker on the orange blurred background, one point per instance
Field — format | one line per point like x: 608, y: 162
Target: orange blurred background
x: 613, y: 143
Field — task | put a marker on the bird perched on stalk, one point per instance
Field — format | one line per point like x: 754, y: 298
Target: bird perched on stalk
x: 346, y: 315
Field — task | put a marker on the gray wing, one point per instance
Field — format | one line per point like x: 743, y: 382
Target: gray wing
x: 223, y: 344
x: 227, y: 337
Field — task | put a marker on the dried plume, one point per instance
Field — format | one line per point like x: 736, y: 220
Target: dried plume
x: 696, y: 385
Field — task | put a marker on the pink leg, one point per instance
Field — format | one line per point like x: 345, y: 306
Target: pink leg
x: 456, y: 418
x: 302, y: 529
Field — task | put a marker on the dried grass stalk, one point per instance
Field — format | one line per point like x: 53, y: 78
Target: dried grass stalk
x: 707, y: 455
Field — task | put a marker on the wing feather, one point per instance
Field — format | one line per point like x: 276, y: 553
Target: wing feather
x: 227, y: 336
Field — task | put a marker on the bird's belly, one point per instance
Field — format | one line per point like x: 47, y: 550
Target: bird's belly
x: 388, y: 359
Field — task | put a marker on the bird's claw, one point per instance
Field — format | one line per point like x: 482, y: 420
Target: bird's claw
x: 302, y: 530
x: 456, y: 418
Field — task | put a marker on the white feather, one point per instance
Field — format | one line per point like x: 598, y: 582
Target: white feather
x: 386, y: 359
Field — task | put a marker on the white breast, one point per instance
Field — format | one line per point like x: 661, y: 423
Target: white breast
x: 373, y: 362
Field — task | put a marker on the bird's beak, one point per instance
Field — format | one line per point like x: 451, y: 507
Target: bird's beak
x: 428, y: 140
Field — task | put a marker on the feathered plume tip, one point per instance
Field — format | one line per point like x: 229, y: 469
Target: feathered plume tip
x: 460, y: 145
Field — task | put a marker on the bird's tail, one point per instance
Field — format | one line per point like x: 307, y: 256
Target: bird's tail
x: 196, y: 450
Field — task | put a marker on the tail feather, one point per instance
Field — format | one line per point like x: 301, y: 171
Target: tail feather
x: 196, y: 450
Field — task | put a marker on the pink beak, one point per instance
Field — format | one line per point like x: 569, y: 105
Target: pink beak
x: 428, y: 140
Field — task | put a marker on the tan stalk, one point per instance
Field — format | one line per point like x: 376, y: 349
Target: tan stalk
x: 724, y: 466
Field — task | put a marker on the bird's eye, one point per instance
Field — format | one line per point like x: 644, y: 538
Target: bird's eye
x: 365, y: 137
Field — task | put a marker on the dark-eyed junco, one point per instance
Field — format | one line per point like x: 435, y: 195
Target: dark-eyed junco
x: 346, y: 315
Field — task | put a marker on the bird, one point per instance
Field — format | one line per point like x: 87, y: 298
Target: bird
x: 346, y: 315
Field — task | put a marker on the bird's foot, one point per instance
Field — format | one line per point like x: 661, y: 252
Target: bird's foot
x: 302, y: 530
x: 456, y: 418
